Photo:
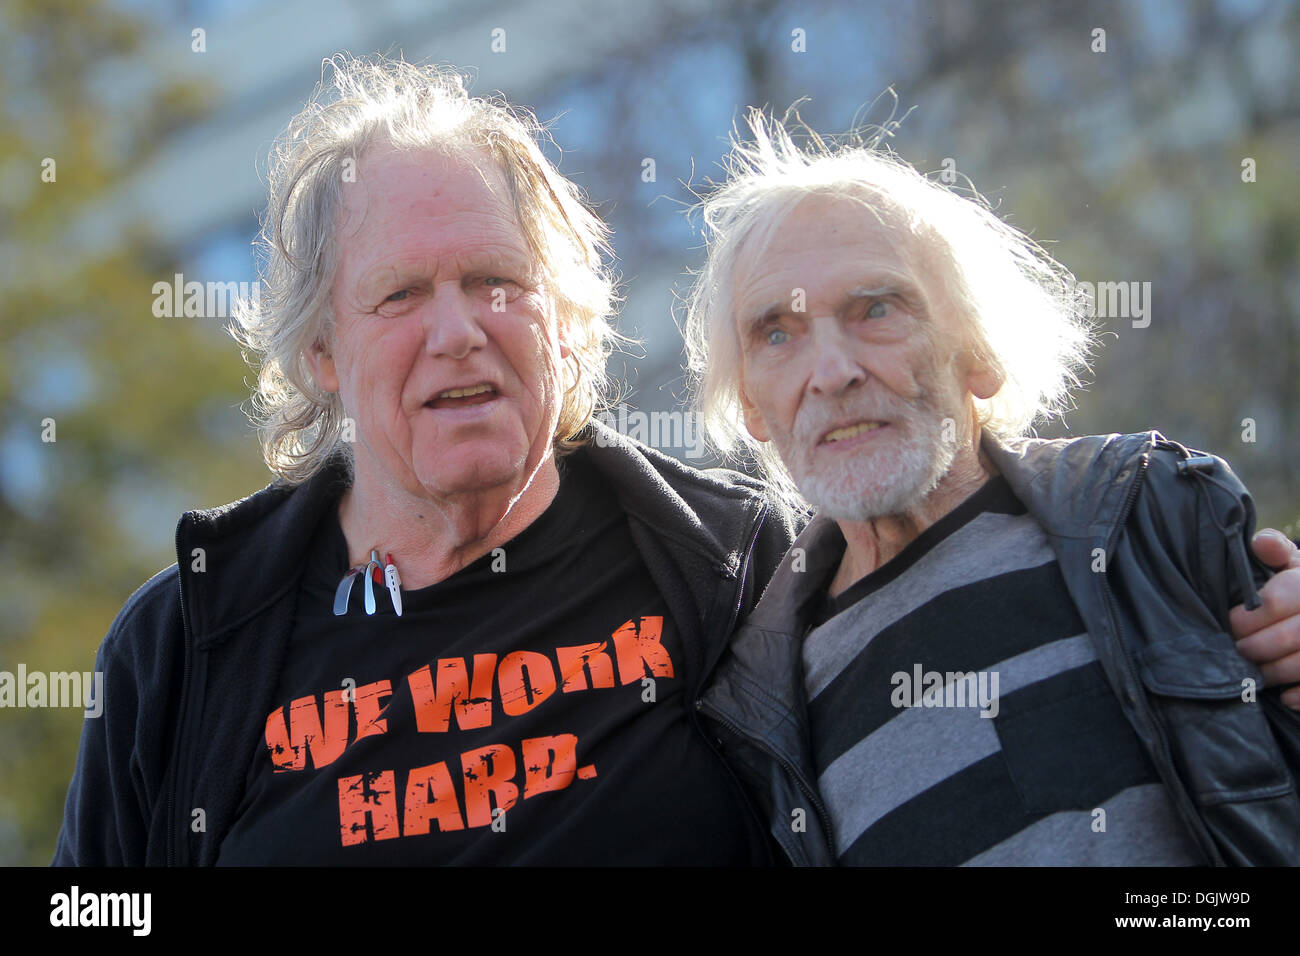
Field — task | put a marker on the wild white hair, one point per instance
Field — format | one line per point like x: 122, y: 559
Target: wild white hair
x: 359, y: 104
x: 1021, y: 309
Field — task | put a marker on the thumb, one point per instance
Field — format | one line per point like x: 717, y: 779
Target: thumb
x: 1276, y: 550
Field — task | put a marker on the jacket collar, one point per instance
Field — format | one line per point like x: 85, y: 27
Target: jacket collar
x: 252, y: 549
x: 801, y: 578
x: 679, y: 501
x: 238, y: 559
x: 1074, y: 488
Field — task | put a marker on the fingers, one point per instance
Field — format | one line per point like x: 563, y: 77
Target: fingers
x: 1272, y: 633
x: 1277, y: 664
x: 1279, y: 601
x: 1275, y: 549
x: 1269, y: 636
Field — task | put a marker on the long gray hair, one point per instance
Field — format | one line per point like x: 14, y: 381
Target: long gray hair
x: 1021, y: 309
x: 359, y: 103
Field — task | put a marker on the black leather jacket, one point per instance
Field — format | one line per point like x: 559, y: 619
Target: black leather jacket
x: 1174, y: 528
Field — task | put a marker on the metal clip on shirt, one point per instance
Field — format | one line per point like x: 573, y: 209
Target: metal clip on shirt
x: 372, y: 571
x: 375, y: 572
x: 344, y: 591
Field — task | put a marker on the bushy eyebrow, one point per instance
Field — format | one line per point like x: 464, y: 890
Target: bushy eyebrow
x: 899, y: 288
x: 403, y: 270
x: 756, y: 321
x: 876, y: 292
x: 390, y: 273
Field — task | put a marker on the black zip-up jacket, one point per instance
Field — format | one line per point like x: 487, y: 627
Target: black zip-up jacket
x: 191, y: 662
x: 1173, y: 528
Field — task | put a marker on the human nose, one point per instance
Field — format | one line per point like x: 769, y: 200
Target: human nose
x: 834, y: 366
x: 451, y: 323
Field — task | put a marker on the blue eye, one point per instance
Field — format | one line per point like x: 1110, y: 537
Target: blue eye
x: 877, y: 310
x: 777, y: 336
x: 398, y: 296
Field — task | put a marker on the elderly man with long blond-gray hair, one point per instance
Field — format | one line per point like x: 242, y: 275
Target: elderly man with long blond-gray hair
x: 456, y: 628
x: 985, y: 648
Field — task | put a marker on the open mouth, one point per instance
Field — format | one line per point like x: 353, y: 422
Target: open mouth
x: 851, y: 431
x: 463, y: 397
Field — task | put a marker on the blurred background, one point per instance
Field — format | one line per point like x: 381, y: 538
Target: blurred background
x: 133, y: 135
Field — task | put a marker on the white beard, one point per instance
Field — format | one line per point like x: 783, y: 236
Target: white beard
x: 896, y: 470
x: 891, y: 481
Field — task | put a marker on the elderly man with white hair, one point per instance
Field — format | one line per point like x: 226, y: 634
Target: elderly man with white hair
x: 984, y: 649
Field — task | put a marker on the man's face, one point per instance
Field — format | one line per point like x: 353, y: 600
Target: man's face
x: 854, y: 390
x: 446, y: 349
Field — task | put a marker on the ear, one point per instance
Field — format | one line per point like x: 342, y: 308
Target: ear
x: 323, y: 370
x: 754, y: 422
x: 563, y: 330
x: 982, y: 379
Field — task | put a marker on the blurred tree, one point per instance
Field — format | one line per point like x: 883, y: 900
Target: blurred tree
x: 125, y: 396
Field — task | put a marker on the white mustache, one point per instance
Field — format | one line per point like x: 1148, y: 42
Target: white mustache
x: 822, y: 418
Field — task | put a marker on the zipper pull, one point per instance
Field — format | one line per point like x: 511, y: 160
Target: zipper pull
x: 1195, y: 463
x: 1241, y: 568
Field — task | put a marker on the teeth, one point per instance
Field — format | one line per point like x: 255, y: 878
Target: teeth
x: 465, y: 392
x: 842, y: 433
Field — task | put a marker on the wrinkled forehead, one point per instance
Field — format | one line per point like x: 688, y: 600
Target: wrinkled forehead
x: 835, y: 231
x: 388, y: 180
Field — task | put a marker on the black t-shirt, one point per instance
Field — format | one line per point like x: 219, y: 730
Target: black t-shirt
x: 544, y: 680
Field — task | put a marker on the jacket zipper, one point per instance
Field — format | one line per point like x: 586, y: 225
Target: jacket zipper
x: 700, y: 706
x: 1179, y: 793
x: 175, y: 826
x: 786, y: 765
x: 713, y: 666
